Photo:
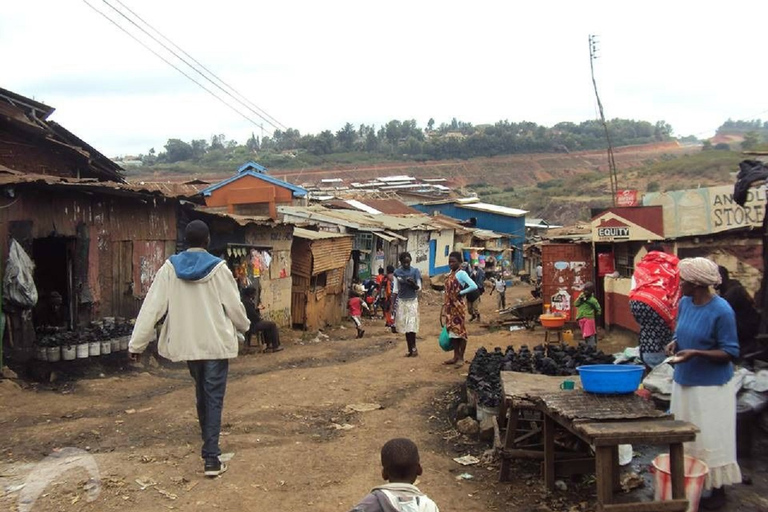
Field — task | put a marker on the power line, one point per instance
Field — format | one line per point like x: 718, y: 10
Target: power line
x: 241, y: 96
x: 171, y: 64
x: 611, y: 162
x: 266, y: 117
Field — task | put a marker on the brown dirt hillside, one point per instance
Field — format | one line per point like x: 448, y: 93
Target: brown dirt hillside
x: 502, y: 171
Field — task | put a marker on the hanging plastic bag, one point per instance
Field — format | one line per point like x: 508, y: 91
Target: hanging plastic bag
x: 445, y: 340
x: 18, y: 284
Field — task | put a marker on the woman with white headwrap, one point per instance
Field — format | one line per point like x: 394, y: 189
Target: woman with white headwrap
x: 705, y: 345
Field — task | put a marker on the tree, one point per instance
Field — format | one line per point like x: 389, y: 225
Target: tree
x: 751, y: 140
x: 177, y: 150
x: 217, y: 141
x: 662, y: 130
x: 706, y: 145
x: 253, y: 143
x: 199, y: 148
x: 346, y: 137
x: 430, y: 124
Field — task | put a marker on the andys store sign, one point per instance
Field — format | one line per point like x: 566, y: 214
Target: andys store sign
x: 708, y: 210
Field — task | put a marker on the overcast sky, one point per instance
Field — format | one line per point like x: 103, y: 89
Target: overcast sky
x: 316, y: 65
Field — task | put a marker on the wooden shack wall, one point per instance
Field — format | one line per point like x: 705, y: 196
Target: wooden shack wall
x: 276, y: 287
x: 120, y: 242
x: 323, y: 304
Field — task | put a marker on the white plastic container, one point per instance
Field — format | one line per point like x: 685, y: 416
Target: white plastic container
x: 106, y: 347
x: 115, y: 344
x: 486, y: 412
x: 94, y: 348
x: 41, y: 353
x: 69, y: 352
x: 124, y: 342
x: 54, y: 354
x: 82, y: 351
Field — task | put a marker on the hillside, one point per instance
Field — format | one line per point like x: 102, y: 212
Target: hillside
x: 560, y: 187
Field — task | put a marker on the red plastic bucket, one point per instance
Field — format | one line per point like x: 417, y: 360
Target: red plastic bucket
x: 695, y: 474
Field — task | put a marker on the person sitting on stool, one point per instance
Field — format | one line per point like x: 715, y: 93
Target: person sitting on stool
x: 270, y: 330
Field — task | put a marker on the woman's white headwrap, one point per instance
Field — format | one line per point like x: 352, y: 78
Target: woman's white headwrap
x: 699, y: 271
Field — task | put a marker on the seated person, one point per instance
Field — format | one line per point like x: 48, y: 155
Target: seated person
x: 400, y: 466
x: 253, y: 310
x: 50, y: 311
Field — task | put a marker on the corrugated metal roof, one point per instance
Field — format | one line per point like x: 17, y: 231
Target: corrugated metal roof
x: 308, y: 234
x: 259, y: 173
x: 494, y: 208
x: 362, y: 206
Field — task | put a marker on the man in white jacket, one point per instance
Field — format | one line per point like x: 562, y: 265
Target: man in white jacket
x: 198, y: 297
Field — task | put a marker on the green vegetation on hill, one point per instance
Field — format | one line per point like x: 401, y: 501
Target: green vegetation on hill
x: 399, y: 141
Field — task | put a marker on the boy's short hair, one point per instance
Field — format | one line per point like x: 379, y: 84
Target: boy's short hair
x: 197, y: 234
x: 400, y: 458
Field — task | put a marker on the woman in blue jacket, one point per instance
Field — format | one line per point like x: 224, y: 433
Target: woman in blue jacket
x: 705, y: 345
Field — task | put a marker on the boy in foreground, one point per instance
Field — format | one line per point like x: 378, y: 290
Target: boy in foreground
x: 400, y: 466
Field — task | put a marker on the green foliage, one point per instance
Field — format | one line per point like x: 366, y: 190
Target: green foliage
x: 398, y: 140
x: 750, y: 141
x: 653, y: 186
x: 722, y: 146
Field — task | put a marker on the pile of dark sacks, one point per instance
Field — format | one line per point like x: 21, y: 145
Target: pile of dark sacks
x: 553, y: 359
x: 484, y: 372
x: 57, y: 336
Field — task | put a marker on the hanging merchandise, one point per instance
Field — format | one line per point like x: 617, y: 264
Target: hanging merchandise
x: 561, y: 303
x: 18, y: 284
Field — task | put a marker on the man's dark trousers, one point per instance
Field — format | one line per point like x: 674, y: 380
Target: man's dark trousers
x: 210, y: 385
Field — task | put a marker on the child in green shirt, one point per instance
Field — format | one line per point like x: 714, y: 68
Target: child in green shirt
x: 587, y: 307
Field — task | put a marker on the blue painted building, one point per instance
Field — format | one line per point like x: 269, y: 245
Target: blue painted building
x: 501, y: 219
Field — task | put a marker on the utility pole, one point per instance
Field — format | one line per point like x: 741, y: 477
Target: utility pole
x: 611, y: 162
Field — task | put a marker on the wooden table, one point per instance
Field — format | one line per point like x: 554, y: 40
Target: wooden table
x: 605, y: 422
x: 521, y: 390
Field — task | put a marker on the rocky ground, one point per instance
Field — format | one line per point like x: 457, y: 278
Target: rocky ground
x: 304, y: 426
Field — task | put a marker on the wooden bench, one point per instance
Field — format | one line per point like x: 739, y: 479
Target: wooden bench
x: 606, y: 438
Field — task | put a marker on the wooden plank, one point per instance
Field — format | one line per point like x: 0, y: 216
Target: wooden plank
x: 518, y: 385
x: 578, y: 404
x: 604, y: 474
x: 647, y: 506
x: 637, y: 432
x: 677, y: 470
x: 549, y: 453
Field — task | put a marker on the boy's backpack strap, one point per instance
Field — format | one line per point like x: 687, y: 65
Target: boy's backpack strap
x: 382, y: 500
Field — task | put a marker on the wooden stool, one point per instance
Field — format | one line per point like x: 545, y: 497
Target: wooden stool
x: 556, y: 333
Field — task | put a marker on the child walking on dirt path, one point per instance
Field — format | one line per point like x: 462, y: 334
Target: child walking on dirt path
x: 587, y: 309
x: 355, y: 307
x: 500, y: 287
x: 400, y: 467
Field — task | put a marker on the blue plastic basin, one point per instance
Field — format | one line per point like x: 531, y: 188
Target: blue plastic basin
x: 611, y: 379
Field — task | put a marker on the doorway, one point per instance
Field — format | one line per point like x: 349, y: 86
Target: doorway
x: 54, y: 274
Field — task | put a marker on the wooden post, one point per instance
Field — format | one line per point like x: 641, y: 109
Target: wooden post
x: 549, y: 452
x: 677, y: 470
x: 615, y: 469
x: 604, y: 473
x: 509, y: 443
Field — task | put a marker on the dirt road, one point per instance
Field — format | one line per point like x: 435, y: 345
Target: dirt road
x: 296, y: 444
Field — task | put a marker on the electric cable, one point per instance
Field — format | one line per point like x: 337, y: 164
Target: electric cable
x: 243, y: 98
x: 173, y: 66
x: 132, y: 22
